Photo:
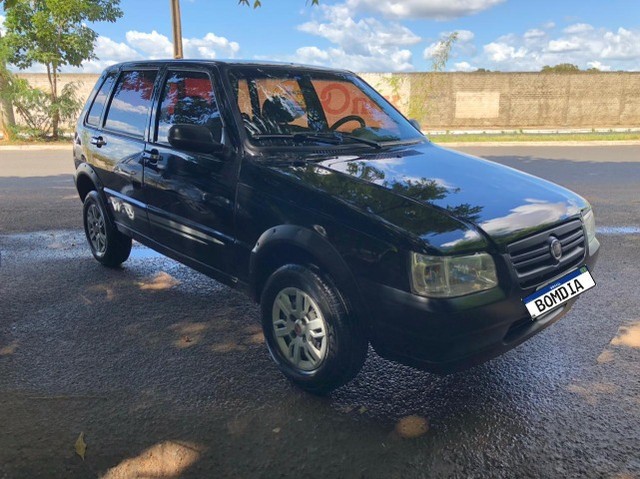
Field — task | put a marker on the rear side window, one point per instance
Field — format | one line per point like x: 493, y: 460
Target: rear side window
x: 131, y: 102
x: 187, y: 98
x: 95, y: 112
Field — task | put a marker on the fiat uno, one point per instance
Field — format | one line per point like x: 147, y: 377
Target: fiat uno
x: 306, y: 189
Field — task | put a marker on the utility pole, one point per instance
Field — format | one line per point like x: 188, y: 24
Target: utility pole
x: 177, y: 28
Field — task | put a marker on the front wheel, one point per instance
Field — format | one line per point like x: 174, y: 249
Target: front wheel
x: 108, y: 245
x: 311, y: 335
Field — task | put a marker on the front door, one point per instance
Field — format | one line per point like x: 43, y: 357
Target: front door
x: 190, y: 195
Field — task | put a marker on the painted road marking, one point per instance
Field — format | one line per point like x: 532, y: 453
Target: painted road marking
x: 618, y: 230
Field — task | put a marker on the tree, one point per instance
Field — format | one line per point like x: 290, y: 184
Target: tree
x: 561, y: 68
x: 7, y: 120
x: 54, y: 33
x: 442, y: 52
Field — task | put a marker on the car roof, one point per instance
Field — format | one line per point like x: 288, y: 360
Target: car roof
x: 225, y: 63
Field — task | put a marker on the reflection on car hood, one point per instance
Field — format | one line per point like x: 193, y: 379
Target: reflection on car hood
x: 502, y: 201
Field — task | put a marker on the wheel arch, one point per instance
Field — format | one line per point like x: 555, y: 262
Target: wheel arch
x: 285, y: 244
x: 87, y: 180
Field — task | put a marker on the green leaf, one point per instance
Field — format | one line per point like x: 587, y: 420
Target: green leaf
x: 81, y: 446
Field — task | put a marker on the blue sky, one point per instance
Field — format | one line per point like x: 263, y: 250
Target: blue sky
x: 385, y: 35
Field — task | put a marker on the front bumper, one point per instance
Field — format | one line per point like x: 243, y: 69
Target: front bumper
x: 449, y: 335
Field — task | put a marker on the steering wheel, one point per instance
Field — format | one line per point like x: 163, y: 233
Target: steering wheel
x: 347, y: 119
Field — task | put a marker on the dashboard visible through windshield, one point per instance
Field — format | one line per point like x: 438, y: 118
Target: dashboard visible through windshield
x: 285, y: 107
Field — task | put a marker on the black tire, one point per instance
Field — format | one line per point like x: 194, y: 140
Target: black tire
x: 347, y: 343
x: 113, y: 248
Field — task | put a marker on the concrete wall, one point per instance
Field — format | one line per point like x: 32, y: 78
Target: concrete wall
x: 492, y: 100
x: 515, y: 100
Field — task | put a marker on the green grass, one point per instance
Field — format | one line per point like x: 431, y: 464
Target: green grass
x: 515, y: 137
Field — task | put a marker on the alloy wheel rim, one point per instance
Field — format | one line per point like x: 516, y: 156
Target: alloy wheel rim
x: 299, y: 328
x: 96, y: 229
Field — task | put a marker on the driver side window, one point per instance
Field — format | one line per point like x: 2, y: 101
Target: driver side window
x: 188, y: 98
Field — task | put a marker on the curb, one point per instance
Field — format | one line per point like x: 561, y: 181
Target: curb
x: 37, y: 147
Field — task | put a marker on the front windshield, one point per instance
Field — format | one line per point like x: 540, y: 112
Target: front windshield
x: 284, y: 106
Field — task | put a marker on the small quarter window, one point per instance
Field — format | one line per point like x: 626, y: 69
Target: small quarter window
x: 131, y: 102
x: 187, y: 98
x: 95, y: 112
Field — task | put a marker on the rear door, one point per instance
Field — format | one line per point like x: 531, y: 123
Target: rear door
x: 190, y: 195
x: 92, y: 124
x: 118, y: 145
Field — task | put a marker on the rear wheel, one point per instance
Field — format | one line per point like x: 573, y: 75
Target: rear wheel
x: 310, y: 333
x: 108, y: 245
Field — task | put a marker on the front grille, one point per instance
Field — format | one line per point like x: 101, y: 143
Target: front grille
x: 531, y: 257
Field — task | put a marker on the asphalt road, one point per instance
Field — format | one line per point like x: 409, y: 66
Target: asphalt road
x: 166, y: 374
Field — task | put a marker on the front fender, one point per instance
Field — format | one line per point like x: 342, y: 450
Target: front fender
x: 314, y: 243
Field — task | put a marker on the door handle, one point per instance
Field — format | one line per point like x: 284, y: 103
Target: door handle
x: 98, y: 141
x: 125, y: 172
x: 151, y: 157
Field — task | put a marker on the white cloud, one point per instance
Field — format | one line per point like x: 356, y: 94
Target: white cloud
x: 465, y: 36
x: 210, y: 46
x: 435, y: 9
x: 154, y: 45
x: 399, y: 60
x: 340, y: 28
x: 599, y: 66
x: 433, y: 50
x: 578, y: 28
x: 581, y: 44
x: 363, y: 45
x: 623, y: 45
x: 502, y: 51
x: 2, y: 19
x: 534, y: 33
x: 560, y: 46
x: 463, y: 67
x: 113, y: 51
x: 462, y: 46
x: 109, y: 52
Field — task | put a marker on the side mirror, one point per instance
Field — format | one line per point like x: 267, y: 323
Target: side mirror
x: 416, y: 124
x: 195, y: 138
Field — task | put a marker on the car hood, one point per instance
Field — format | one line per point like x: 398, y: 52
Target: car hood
x: 503, y: 202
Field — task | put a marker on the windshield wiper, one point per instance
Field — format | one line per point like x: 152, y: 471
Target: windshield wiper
x: 342, y: 136
x: 335, y: 138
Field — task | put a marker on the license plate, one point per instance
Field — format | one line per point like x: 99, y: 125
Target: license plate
x: 559, y: 292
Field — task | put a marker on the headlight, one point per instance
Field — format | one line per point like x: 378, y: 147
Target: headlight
x: 589, y: 225
x: 447, y: 276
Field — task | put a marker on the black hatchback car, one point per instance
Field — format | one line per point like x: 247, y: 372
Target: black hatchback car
x: 305, y: 188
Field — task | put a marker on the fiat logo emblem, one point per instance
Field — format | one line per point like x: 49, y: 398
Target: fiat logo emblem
x: 555, y: 248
